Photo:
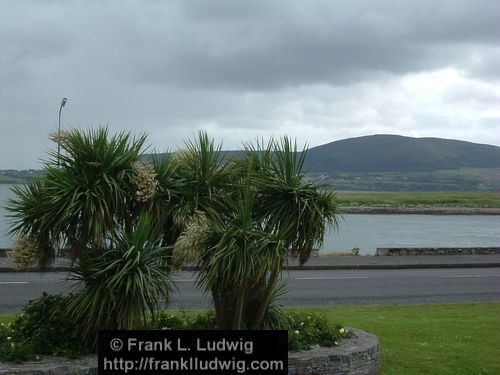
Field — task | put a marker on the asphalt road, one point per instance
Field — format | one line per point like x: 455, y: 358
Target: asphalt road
x: 312, y: 288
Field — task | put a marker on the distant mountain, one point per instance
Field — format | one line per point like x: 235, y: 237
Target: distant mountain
x: 394, y: 153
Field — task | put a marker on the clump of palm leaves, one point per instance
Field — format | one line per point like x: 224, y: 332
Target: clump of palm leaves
x: 261, y: 211
x: 86, y: 205
x: 117, y: 285
x: 86, y: 192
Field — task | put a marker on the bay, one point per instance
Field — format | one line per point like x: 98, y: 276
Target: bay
x: 5, y: 195
x: 367, y: 232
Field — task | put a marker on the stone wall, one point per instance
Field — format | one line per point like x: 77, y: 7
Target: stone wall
x: 53, y: 366
x: 359, y: 355
x: 390, y: 251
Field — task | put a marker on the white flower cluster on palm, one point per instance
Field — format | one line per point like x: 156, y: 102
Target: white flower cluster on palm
x: 59, y: 136
x: 24, y: 254
x: 145, y: 181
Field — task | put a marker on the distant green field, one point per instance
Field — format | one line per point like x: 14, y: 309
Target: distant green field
x: 461, y: 179
x: 436, y: 199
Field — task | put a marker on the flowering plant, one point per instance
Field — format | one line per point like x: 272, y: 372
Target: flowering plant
x: 307, y: 331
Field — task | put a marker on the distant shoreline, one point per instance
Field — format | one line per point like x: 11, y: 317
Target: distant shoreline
x: 420, y: 210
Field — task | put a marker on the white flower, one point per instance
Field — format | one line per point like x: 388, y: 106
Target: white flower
x: 25, y: 253
x: 145, y: 181
x: 336, y: 343
x: 9, y: 338
x: 302, y: 324
x: 342, y: 330
x: 59, y: 136
x: 296, y: 332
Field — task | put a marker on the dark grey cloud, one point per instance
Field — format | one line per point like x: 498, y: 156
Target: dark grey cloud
x: 261, y: 46
x: 317, y: 70
x: 258, y: 45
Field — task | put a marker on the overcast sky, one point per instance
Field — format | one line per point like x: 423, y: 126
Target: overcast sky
x: 316, y: 70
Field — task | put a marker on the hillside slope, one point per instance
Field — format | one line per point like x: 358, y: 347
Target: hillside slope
x: 393, y: 153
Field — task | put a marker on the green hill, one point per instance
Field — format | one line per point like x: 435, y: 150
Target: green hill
x: 387, y: 163
x: 394, y: 153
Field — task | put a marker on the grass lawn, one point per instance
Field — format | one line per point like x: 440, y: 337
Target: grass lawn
x: 409, y: 198
x: 450, y: 339
x: 7, y: 318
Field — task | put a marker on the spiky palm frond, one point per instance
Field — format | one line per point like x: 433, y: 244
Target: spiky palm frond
x: 287, y: 199
x: 115, y: 286
x: 204, y: 174
x: 83, y: 195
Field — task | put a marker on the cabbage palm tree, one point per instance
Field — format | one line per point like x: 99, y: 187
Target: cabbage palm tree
x: 85, y: 194
x: 247, y: 227
x: 206, y: 191
x: 98, y: 202
x: 234, y: 254
x: 288, y: 203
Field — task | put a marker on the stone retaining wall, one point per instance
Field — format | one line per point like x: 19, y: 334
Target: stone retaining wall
x: 418, y: 210
x: 359, y: 355
x: 53, y: 366
x: 391, y: 251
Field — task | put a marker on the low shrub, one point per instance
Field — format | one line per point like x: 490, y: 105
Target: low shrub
x: 183, y: 321
x: 305, y: 330
x: 12, y: 346
x: 355, y: 251
x: 40, y: 329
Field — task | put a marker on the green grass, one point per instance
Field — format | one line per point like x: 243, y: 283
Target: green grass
x: 7, y: 318
x: 454, y: 339
x: 448, y: 339
x: 438, y: 198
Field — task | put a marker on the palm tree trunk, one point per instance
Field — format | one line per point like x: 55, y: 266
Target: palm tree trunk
x: 264, y: 304
x: 239, y: 310
x: 220, y: 316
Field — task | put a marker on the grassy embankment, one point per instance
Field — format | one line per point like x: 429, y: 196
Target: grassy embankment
x: 433, y: 199
x: 450, y: 339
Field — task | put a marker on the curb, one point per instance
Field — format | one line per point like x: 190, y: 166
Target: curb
x: 313, y: 267
x: 392, y: 266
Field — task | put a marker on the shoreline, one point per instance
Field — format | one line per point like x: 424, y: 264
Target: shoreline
x: 418, y: 210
